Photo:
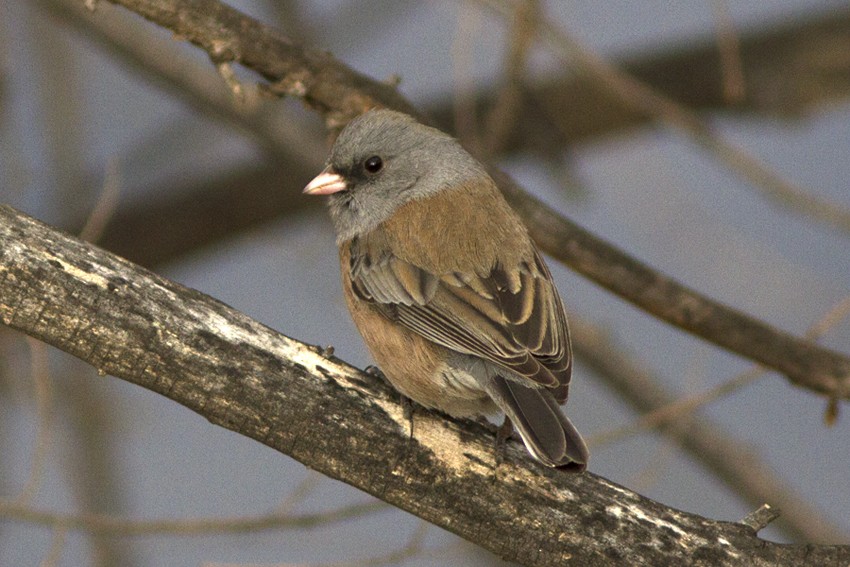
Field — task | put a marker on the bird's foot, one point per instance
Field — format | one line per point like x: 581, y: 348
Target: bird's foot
x: 407, y: 408
x: 373, y: 370
x: 505, y: 432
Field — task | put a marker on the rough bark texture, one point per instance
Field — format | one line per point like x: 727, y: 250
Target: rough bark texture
x: 133, y: 324
x: 315, y: 76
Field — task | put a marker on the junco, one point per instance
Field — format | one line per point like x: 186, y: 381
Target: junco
x: 444, y: 283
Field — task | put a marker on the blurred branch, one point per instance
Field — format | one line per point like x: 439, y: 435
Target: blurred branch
x: 226, y: 34
x: 107, y: 202
x: 60, y: 114
x: 340, y: 93
x: 239, y: 374
x: 689, y: 404
x: 43, y: 390
x: 507, y: 105
x: 90, y: 467
x: 112, y: 526
x: 678, y: 409
x: 729, y: 48
x: 803, y: 362
x: 656, y: 106
x: 790, y: 69
x: 464, y: 110
x: 91, y: 461
x: 156, y: 232
x: 54, y: 553
x: 159, y: 230
x: 413, y: 548
x: 166, y: 64
x: 691, y: 75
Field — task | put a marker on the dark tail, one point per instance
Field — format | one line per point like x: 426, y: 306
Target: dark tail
x: 547, y: 433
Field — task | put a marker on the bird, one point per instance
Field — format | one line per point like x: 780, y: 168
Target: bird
x: 444, y: 283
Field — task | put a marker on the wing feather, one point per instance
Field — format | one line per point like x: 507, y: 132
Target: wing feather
x: 512, y: 316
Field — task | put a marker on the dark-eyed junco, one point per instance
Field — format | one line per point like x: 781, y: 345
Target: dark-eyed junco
x: 444, y: 283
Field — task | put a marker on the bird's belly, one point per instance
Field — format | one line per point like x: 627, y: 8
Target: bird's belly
x: 463, y: 394
x: 430, y: 374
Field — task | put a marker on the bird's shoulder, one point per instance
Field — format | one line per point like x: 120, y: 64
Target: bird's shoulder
x: 468, y: 229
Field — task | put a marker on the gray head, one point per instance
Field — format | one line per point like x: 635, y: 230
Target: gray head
x: 382, y: 160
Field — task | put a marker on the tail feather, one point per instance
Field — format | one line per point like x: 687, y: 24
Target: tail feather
x: 546, y: 431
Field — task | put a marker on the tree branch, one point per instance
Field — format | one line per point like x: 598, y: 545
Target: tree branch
x: 239, y: 374
x: 555, y: 112
x: 159, y: 231
x: 340, y: 93
x: 155, y: 232
x: 798, y: 54
x: 226, y: 34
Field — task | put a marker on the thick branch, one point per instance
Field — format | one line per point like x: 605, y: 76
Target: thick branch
x: 340, y: 93
x: 237, y: 373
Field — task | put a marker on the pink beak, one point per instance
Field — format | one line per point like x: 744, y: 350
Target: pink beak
x: 326, y: 183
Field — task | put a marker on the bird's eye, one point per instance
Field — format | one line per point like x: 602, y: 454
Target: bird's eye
x: 374, y: 164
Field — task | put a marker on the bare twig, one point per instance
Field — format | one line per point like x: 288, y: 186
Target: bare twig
x: 158, y: 232
x: 91, y: 471
x: 40, y: 373
x: 508, y: 99
x: 531, y: 216
x: 665, y: 414
x: 554, y: 115
x: 54, y: 553
x: 759, y: 519
x: 106, y: 204
x: 125, y: 527
x: 793, y: 67
x: 61, y: 116
x: 91, y: 463
x: 669, y: 412
x: 644, y: 99
x: 275, y: 130
x: 729, y: 45
x: 414, y: 547
x: 465, y: 113
x: 300, y: 493
x: 830, y: 319
x: 803, y: 362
